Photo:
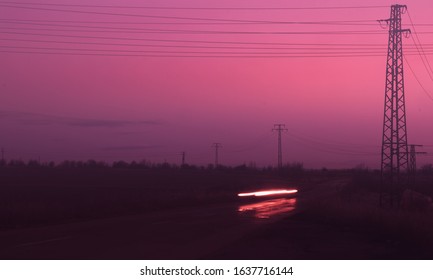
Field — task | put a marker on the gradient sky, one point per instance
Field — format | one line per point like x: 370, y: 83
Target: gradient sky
x: 83, y: 107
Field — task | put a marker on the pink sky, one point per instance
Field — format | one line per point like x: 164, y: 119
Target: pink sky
x: 60, y: 107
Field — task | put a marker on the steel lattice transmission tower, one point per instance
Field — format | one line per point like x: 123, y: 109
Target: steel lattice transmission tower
x: 412, y: 160
x: 217, y: 146
x: 394, y: 139
x: 183, y: 154
x: 280, y: 128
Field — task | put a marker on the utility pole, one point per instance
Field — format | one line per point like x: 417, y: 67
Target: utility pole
x: 216, y: 146
x: 279, y: 127
x: 183, y: 158
x: 394, y: 138
x: 412, y: 161
x: 3, y: 162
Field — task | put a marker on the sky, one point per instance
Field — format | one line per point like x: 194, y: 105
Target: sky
x: 126, y: 82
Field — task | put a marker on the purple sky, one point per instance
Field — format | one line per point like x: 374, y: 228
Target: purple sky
x: 109, y: 108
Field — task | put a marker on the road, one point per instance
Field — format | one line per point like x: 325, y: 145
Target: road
x: 189, y: 233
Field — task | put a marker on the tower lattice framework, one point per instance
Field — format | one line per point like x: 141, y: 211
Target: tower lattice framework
x: 394, y: 139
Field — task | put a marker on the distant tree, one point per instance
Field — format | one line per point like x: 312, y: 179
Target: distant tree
x: 33, y: 163
x: 17, y: 163
x: 241, y: 167
x: 165, y: 165
x: 66, y: 164
x: 189, y: 167
x: 120, y: 164
x: 252, y: 165
x: 144, y: 164
x: 133, y: 164
x: 91, y: 163
x: 360, y: 168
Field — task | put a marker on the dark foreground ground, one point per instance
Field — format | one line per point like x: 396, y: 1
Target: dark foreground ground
x: 299, y: 237
x: 346, y: 224
x: 194, y: 214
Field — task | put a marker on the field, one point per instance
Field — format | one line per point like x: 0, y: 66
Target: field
x: 31, y: 196
x: 337, y: 213
x: 348, y: 225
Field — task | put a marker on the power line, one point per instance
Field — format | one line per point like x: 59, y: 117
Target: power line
x: 297, y: 46
x: 268, y: 22
x: 193, y: 8
x: 418, y: 80
x: 145, y: 53
x: 190, y: 31
x: 350, y: 46
x: 336, y: 148
x: 321, y: 148
x: 186, y: 31
x: 333, y: 22
x: 192, y: 52
x: 160, y: 40
x: 328, y: 142
x: 421, y: 24
x: 423, y: 58
x: 135, y: 15
x: 194, y: 56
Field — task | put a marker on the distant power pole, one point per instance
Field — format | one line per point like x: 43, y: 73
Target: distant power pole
x: 183, y: 158
x: 394, y: 137
x: 412, y: 160
x: 216, y: 146
x: 279, y: 127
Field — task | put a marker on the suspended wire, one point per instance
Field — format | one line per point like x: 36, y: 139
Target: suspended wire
x: 268, y: 22
x: 317, y: 147
x: 192, y: 8
x: 324, y: 46
x: 418, y: 80
x: 135, y: 15
x: 299, y: 52
x: 177, y: 30
x: 334, y: 22
x: 183, y: 31
x: 334, y: 148
x: 334, y: 144
x: 175, y: 40
x: 189, y: 52
x: 297, y: 46
x: 196, y: 56
x: 424, y: 59
x: 421, y: 24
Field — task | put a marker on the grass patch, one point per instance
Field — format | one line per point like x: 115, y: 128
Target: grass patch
x: 360, y: 212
